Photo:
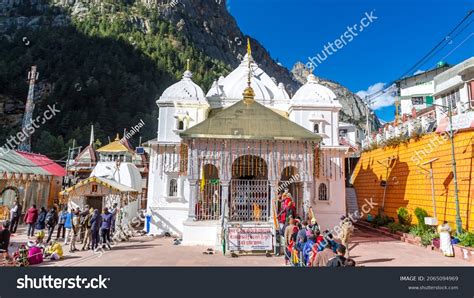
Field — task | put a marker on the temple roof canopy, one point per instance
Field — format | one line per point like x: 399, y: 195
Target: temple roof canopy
x: 249, y: 121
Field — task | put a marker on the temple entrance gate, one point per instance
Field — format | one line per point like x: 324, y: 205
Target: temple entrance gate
x: 249, y: 190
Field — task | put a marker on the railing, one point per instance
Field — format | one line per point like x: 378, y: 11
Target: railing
x: 249, y: 200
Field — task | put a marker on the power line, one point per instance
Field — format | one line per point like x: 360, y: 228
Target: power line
x: 428, y: 55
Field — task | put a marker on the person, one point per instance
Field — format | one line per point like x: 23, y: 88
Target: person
x: 302, y: 237
x: 51, y: 221
x: 321, y: 259
x: 330, y: 239
x: 346, y: 234
x: 41, y: 221
x: 76, y: 223
x: 54, y: 251
x: 114, y: 213
x: 30, y: 218
x: 96, y: 221
x: 308, y: 247
x: 314, y: 225
x: 87, y: 226
x: 105, y: 227
x: 15, y: 214
x: 61, y: 221
x: 339, y: 260
x: 68, y: 226
x: 290, y: 246
x: 5, y: 236
x: 289, y: 231
x: 82, y: 217
x: 445, y: 246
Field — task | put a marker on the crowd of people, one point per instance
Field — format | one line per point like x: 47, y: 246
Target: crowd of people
x: 305, y: 245
x: 86, y: 226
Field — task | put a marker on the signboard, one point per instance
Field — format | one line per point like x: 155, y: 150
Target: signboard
x: 250, y: 239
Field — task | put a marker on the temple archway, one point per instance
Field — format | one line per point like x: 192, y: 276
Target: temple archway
x: 208, y: 206
x: 249, y: 190
x: 291, y: 179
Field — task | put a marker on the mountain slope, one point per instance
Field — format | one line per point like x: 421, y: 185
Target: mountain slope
x: 104, y: 62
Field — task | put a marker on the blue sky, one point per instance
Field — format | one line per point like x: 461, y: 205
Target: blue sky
x: 403, y: 32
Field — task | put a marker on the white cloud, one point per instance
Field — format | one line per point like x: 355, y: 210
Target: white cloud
x: 418, y: 72
x: 384, y: 99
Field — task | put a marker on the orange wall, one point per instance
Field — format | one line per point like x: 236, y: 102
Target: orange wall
x: 409, y: 188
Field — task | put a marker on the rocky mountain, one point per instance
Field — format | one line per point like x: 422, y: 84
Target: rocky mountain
x: 105, y: 60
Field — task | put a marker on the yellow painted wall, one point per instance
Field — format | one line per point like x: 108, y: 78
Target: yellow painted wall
x: 409, y: 188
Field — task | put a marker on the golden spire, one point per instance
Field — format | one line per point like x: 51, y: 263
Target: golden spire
x: 249, y: 94
x: 187, y: 65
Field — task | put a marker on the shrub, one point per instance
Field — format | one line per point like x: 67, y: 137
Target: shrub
x: 381, y: 220
x: 420, y: 214
x: 398, y: 227
x: 467, y: 239
x: 417, y: 230
x: 404, y: 217
x: 428, y: 235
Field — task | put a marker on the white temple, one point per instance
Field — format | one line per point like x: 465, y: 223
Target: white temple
x: 220, y: 159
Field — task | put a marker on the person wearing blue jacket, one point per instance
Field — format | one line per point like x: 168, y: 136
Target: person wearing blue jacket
x: 105, y: 227
x: 308, y: 246
x: 68, y: 226
x: 41, y: 222
x: 96, y: 222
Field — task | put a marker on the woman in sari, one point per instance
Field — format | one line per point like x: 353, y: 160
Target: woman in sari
x: 444, y: 231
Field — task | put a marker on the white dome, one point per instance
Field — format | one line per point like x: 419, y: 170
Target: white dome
x: 232, y: 86
x: 315, y: 94
x: 184, y: 90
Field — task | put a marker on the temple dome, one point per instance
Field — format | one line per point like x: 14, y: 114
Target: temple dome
x: 232, y: 86
x: 184, y: 90
x: 314, y: 93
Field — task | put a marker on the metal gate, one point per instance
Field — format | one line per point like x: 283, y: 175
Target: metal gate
x: 208, y: 206
x: 249, y: 200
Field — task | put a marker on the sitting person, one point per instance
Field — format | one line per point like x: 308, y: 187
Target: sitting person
x: 35, y: 255
x: 54, y: 251
x: 339, y: 260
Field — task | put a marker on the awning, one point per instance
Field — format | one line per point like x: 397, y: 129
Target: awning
x: 44, y: 163
x: 12, y: 162
x: 112, y: 184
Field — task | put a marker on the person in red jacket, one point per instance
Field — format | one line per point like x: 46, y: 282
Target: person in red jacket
x: 30, y: 218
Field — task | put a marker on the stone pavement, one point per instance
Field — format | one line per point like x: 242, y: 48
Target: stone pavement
x: 367, y: 249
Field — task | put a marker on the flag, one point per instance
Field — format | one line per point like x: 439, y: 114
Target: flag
x: 203, y: 180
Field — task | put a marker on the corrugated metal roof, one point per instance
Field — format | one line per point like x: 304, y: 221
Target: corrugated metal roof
x: 12, y: 162
x: 45, y: 163
x: 249, y: 121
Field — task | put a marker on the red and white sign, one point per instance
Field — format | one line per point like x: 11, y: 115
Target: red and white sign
x: 250, y: 239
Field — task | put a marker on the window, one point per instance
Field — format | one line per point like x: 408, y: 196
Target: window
x: 316, y: 128
x: 323, y: 192
x: 470, y: 86
x: 180, y: 125
x: 417, y: 100
x: 173, y: 188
